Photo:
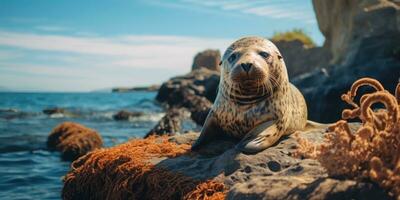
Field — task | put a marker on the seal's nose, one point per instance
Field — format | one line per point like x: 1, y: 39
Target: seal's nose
x: 246, y: 66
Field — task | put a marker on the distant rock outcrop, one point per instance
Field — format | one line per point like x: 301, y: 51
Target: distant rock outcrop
x: 73, y: 140
x: 194, y: 91
x: 151, y: 88
x: 208, y: 59
x: 201, y: 82
x: 124, y: 115
x: 364, y: 38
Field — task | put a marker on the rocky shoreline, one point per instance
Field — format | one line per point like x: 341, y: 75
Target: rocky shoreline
x: 162, y: 163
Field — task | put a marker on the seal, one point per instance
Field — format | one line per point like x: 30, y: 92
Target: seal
x: 255, y: 103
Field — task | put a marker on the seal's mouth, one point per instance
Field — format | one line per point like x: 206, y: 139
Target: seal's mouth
x: 249, y: 80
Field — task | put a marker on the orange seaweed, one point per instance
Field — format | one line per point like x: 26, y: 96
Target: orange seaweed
x: 373, y: 151
x: 126, y: 172
x: 73, y: 140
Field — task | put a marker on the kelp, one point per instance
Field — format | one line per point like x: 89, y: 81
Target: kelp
x: 126, y: 172
x: 371, y: 152
x: 73, y: 140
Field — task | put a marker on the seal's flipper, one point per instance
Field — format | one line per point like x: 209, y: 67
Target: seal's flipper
x: 210, y: 131
x: 260, y: 138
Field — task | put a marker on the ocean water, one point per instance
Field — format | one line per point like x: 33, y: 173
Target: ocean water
x: 27, y: 169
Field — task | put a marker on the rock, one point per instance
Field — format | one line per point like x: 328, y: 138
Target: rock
x: 124, y: 115
x: 346, y: 24
x: 73, y: 140
x: 364, y: 37
x: 171, y: 123
x: 201, y: 82
x: 150, y: 88
x: 323, y: 91
x: 56, y: 110
x: 207, y: 59
x: 300, y: 59
x: 194, y: 91
x: 271, y: 174
x: 11, y: 113
x: 199, y: 108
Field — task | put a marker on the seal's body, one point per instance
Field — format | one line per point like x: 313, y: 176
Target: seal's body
x: 255, y: 101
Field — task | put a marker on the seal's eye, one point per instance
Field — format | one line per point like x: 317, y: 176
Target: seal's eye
x: 232, y: 57
x: 264, y: 54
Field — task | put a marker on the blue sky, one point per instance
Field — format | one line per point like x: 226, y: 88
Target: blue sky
x: 71, y: 45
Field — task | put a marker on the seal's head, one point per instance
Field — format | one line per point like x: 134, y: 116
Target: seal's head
x: 252, y: 67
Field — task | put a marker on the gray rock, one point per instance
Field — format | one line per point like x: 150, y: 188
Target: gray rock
x: 207, y: 59
x: 194, y: 91
x: 300, y: 59
x: 271, y: 174
x: 364, y: 38
x: 170, y: 123
x: 124, y: 115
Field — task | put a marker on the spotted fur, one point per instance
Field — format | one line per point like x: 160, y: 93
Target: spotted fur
x: 239, y: 107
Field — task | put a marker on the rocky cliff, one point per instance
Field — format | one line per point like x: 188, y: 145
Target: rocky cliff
x: 364, y: 38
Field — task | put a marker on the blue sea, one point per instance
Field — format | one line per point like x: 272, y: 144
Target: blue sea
x: 27, y: 169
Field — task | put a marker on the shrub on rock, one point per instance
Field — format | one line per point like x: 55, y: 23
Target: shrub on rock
x: 73, y: 140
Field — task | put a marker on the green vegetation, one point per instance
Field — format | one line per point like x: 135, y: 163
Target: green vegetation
x: 295, y: 34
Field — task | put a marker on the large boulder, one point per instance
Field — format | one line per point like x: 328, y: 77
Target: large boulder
x: 194, y: 91
x: 364, y: 38
x: 274, y: 173
x: 208, y: 59
x: 349, y: 25
x: 73, y: 140
x: 200, y: 82
x: 170, y: 123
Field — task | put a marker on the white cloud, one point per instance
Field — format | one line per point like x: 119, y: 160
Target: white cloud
x: 79, y: 63
x: 133, y: 50
x: 294, y: 10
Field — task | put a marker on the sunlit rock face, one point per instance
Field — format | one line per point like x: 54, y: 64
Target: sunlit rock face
x: 364, y: 39
x: 353, y: 26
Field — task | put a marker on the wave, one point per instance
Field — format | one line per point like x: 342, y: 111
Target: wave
x: 11, y: 114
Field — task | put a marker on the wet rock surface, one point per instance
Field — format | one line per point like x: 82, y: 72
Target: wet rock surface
x: 170, y: 123
x: 58, y: 112
x: 124, y: 115
x: 194, y: 91
x: 271, y: 174
x: 73, y: 140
